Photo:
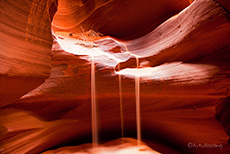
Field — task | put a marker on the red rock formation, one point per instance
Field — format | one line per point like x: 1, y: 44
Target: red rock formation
x: 115, y: 17
x: 122, y: 146
x: 25, y: 46
x: 188, y: 77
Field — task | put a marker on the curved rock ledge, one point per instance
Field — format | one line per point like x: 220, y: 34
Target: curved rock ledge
x: 26, y: 42
x: 184, y: 75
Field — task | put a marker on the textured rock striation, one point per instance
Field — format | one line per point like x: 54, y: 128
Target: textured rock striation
x: 184, y: 74
x: 25, y: 46
x: 116, y: 18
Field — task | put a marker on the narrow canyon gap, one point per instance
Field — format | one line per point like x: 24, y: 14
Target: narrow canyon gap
x: 180, y: 91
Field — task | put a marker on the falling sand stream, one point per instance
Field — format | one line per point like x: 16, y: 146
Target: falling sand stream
x: 138, y: 112
x: 137, y: 100
x: 126, y: 145
x: 93, y: 107
x: 121, y: 104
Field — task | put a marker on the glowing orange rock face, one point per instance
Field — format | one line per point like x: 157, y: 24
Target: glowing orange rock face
x: 25, y: 46
x: 119, y: 18
x: 184, y: 73
x: 121, y: 146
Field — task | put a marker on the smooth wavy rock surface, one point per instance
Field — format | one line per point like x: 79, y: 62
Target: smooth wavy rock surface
x: 119, y: 18
x: 184, y: 75
x: 26, y: 42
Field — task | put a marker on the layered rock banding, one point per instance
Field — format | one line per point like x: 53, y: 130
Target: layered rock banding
x: 45, y: 97
x: 25, y: 46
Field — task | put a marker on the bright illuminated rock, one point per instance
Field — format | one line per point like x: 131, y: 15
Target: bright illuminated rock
x: 25, y: 48
x: 189, y: 75
x: 119, y: 146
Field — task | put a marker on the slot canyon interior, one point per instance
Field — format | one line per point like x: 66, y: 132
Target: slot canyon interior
x: 114, y: 76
